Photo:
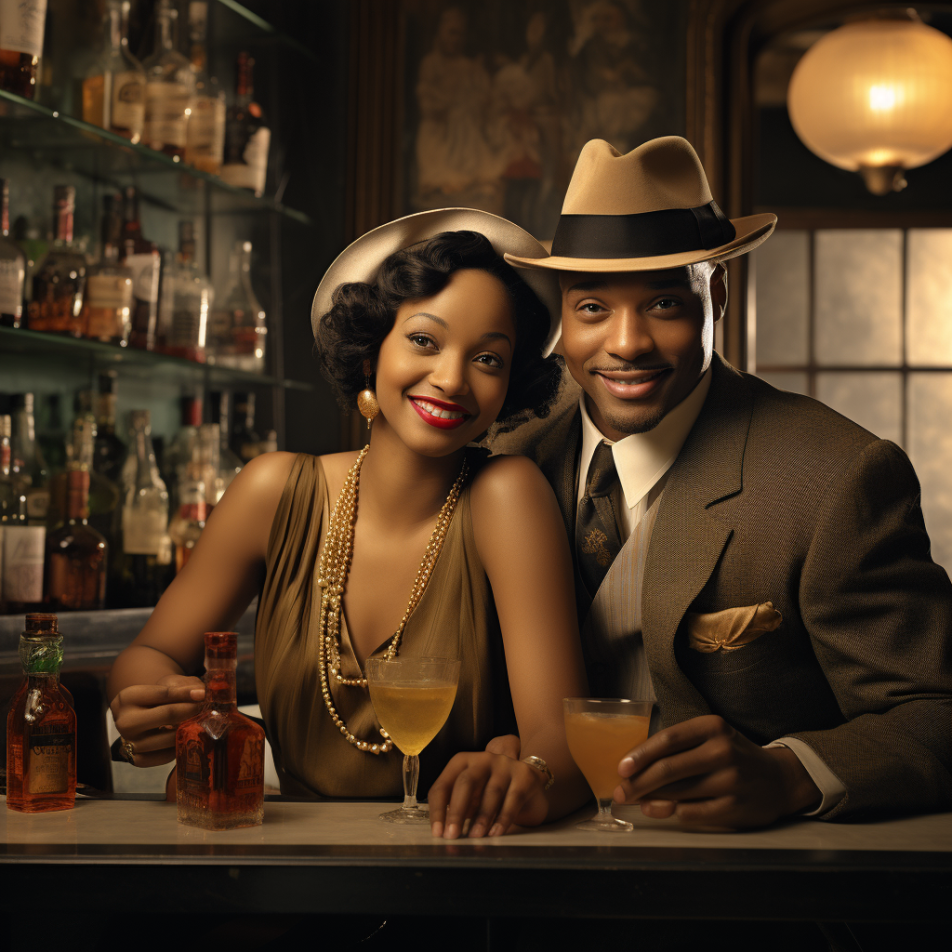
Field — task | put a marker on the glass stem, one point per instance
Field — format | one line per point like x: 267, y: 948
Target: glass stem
x: 411, y: 776
x: 604, y: 808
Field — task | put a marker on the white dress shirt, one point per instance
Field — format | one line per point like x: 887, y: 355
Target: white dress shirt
x: 642, y: 461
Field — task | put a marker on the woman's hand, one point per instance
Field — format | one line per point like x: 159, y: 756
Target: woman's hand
x: 491, y: 790
x: 147, y: 715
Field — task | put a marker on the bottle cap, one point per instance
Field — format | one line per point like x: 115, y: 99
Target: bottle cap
x: 41, y: 623
x: 6, y: 427
x: 64, y: 197
x: 221, y: 644
x: 140, y: 419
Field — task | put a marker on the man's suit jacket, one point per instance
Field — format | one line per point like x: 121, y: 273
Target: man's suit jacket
x: 775, y: 497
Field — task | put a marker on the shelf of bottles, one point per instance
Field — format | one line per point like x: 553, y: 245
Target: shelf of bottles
x: 140, y: 227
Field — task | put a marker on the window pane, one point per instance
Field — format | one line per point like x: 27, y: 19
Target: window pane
x: 858, y: 291
x: 782, y: 276
x: 784, y: 380
x: 873, y: 400
x: 929, y: 296
x: 930, y: 449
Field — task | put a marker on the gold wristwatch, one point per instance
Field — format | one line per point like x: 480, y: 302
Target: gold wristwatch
x: 540, y: 764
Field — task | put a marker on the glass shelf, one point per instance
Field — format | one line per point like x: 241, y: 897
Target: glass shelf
x: 54, y: 138
x: 262, y: 26
x: 46, y: 347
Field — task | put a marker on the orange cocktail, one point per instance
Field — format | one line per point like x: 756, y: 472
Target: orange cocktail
x: 599, y: 732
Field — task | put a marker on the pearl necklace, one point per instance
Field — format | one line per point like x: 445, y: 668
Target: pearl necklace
x: 332, y: 572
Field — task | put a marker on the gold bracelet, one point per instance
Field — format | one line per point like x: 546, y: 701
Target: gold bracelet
x: 540, y: 764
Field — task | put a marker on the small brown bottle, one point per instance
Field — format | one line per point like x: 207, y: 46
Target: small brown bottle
x: 219, y: 753
x: 41, y: 726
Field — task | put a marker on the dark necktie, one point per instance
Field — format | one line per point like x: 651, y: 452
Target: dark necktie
x: 597, y: 539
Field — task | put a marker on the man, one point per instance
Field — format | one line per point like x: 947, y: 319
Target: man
x: 749, y: 558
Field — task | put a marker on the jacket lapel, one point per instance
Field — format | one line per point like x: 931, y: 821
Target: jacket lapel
x: 688, y: 536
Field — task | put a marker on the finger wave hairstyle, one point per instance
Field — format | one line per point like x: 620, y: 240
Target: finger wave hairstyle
x: 363, y: 314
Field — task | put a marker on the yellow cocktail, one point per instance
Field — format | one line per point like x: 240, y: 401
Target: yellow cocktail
x: 412, y: 698
x: 599, y: 732
x: 412, y: 713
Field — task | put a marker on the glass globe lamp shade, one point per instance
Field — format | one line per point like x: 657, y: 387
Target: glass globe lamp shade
x: 875, y: 97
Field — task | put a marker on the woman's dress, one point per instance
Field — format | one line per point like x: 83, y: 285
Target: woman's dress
x: 455, y: 618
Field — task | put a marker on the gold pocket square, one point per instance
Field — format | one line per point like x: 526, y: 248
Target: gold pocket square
x: 732, y: 628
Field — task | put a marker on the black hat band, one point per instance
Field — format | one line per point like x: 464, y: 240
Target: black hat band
x: 645, y: 235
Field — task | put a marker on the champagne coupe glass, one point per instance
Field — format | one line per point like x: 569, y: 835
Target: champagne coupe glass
x: 600, y: 731
x: 412, y: 697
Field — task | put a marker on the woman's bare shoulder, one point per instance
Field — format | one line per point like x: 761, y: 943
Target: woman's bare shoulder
x: 506, y: 484
x: 264, y: 474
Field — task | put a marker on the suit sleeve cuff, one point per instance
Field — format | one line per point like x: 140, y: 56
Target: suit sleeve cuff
x: 830, y: 786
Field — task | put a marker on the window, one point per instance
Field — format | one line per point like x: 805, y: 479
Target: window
x: 861, y: 319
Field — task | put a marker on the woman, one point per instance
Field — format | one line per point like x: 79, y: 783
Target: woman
x: 442, y: 338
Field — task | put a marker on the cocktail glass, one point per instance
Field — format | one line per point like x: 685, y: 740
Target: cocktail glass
x: 412, y: 697
x: 600, y: 731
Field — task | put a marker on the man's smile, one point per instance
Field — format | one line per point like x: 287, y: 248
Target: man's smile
x: 632, y: 384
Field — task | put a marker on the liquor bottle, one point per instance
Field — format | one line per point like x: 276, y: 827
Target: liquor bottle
x: 104, y: 512
x: 247, y: 137
x: 229, y: 464
x: 41, y: 725
x: 179, y: 454
x: 244, y: 440
x: 107, y: 305
x: 8, y: 493
x: 53, y: 434
x: 189, y: 521
x: 142, y: 257
x: 110, y: 451
x: 146, y: 545
x: 219, y: 753
x: 12, y: 266
x: 113, y: 91
x: 186, y: 299
x: 21, y: 44
x: 169, y: 87
x: 34, y: 245
x: 29, y: 466
x: 58, y: 284
x: 76, y: 554
x: 205, y: 144
x: 209, y: 448
x: 238, y: 327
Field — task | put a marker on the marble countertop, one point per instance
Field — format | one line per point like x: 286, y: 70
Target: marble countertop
x: 318, y: 825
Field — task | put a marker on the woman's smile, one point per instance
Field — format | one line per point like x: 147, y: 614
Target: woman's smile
x: 439, y: 413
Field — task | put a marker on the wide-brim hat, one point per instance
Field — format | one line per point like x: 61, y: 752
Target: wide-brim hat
x: 648, y: 210
x: 361, y: 260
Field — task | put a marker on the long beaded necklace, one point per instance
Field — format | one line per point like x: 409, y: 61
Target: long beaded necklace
x: 332, y: 576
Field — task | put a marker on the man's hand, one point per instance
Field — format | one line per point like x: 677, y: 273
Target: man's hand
x: 705, y: 773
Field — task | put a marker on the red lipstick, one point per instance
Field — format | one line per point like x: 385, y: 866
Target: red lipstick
x: 439, y: 413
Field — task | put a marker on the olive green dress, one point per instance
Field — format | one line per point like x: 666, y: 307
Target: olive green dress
x: 455, y: 618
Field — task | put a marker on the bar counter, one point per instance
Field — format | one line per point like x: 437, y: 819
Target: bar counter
x: 337, y: 857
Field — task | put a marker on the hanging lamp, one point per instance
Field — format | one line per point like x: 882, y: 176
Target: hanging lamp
x: 875, y: 97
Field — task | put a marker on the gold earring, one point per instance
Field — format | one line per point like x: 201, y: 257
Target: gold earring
x: 367, y: 403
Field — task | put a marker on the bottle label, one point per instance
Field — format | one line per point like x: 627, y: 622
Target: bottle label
x: 145, y: 276
x: 21, y: 26
x: 166, y: 116
x: 206, y: 128
x: 93, y: 89
x: 252, y: 171
x: 37, y: 504
x: 251, y: 765
x: 23, y: 563
x: 128, y: 101
x: 196, y: 764
x: 49, y: 761
x: 143, y: 532
x: 11, y: 286
x: 109, y: 291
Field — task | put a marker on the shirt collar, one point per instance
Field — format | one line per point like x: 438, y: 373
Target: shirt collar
x: 641, y: 459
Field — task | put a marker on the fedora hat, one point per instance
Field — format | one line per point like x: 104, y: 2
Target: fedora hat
x: 361, y: 260
x: 645, y: 211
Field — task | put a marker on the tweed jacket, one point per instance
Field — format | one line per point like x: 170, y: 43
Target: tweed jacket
x: 776, y: 497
